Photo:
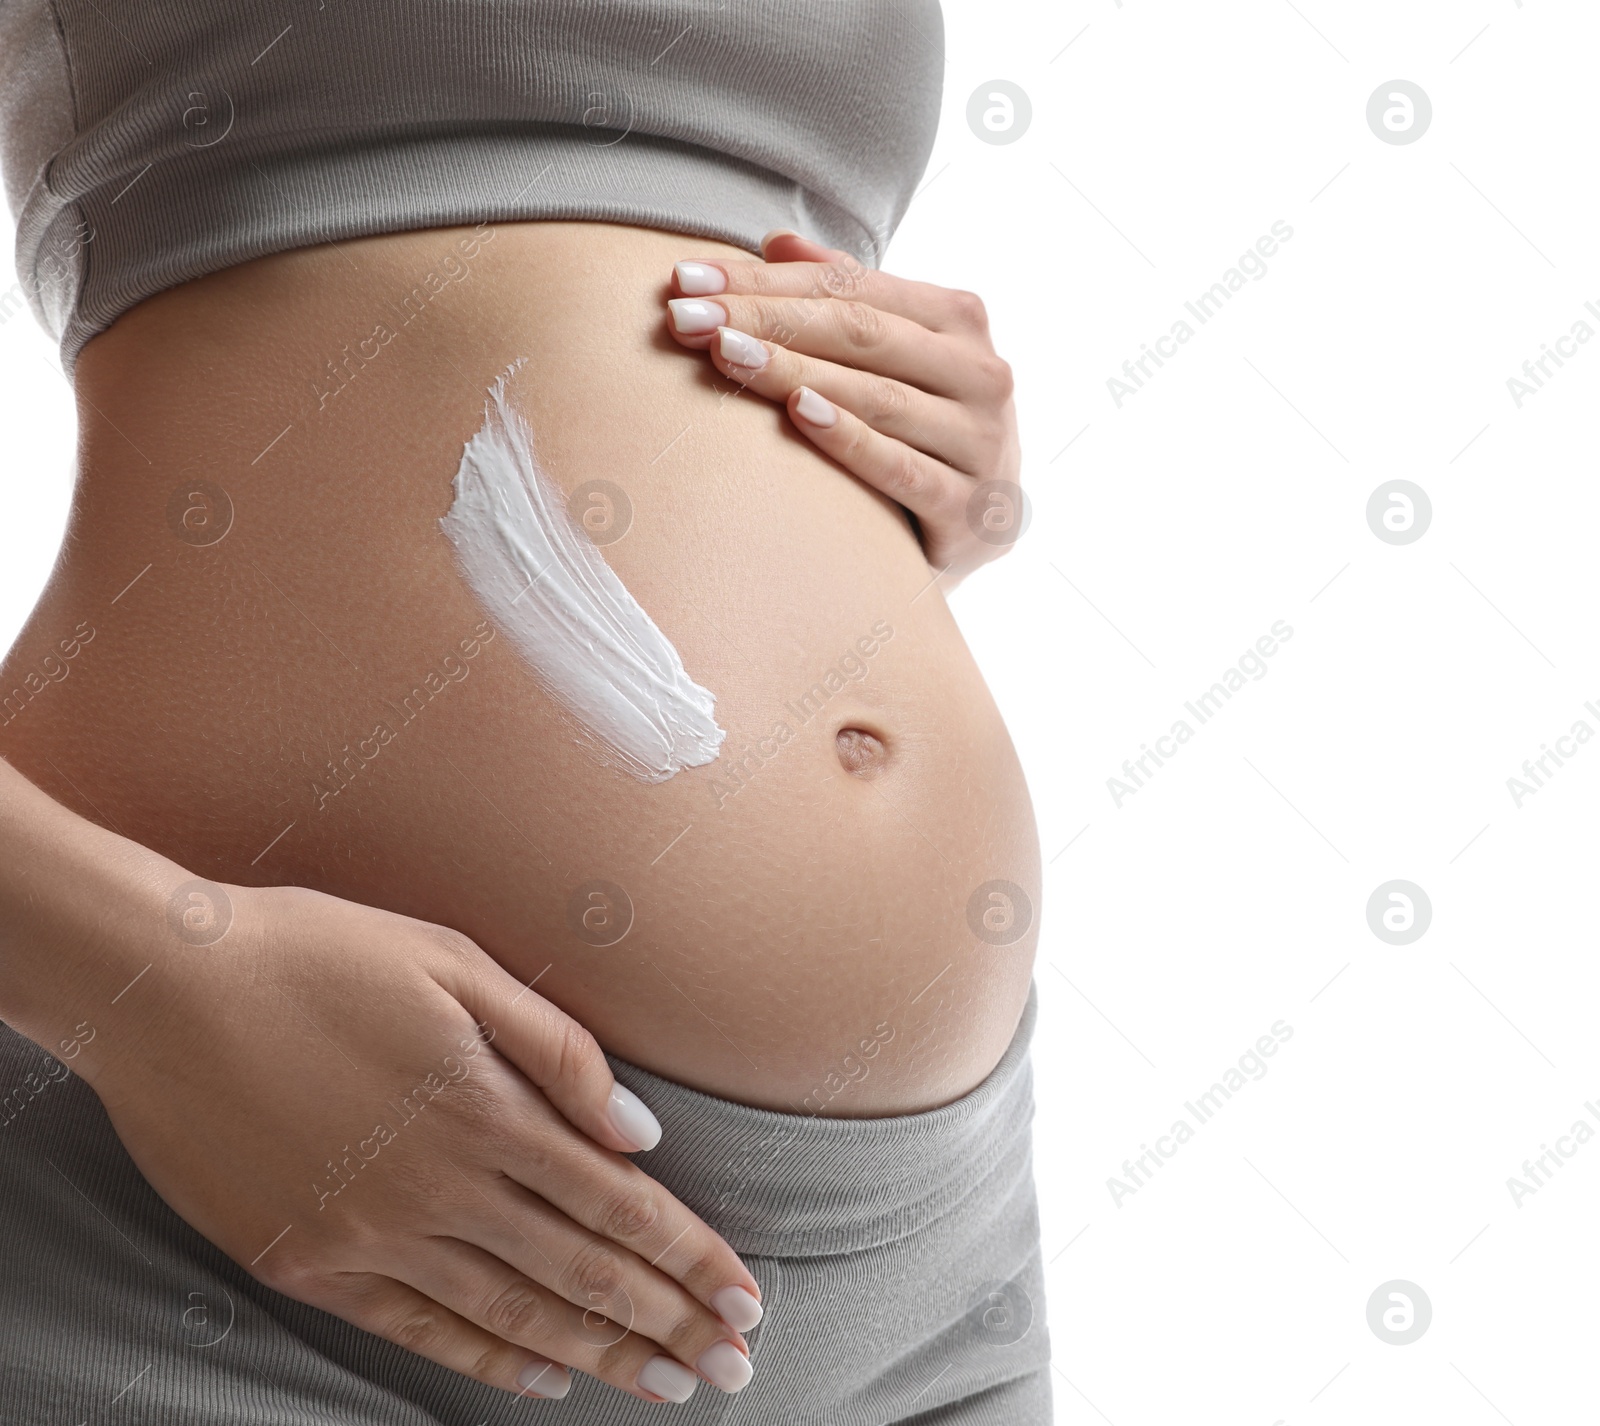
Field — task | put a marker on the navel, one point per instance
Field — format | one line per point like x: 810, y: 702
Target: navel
x: 861, y: 752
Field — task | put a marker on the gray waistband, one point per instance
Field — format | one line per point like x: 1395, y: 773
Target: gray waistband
x: 794, y: 1185
x: 107, y: 1292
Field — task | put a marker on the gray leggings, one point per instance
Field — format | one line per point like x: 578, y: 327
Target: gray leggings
x: 898, y: 1260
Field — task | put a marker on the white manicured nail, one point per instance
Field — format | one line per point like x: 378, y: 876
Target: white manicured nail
x: 725, y: 1366
x: 692, y: 317
x: 737, y: 1307
x: 741, y: 349
x: 699, y: 279
x: 818, y: 410
x: 632, y: 1119
x: 670, y: 1380
x: 546, y: 1379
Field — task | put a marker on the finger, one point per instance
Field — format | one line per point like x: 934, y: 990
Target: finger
x: 489, y: 1294
x: 786, y: 245
x: 940, y: 309
x: 928, y: 488
x: 551, y: 1049
x: 595, y: 1275
x: 619, y: 1202
x: 848, y: 332
x: 484, y: 1290
x: 400, y: 1314
x: 942, y: 428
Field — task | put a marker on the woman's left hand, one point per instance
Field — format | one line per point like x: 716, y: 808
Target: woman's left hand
x: 896, y: 380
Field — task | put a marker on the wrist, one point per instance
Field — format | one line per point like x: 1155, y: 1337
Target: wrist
x: 83, y: 911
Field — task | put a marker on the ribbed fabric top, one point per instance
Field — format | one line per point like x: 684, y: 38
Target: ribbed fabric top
x: 809, y: 1185
x: 148, y: 142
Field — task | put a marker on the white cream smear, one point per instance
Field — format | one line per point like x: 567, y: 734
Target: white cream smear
x: 543, y: 582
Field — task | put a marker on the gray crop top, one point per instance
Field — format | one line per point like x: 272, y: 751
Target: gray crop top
x: 147, y: 142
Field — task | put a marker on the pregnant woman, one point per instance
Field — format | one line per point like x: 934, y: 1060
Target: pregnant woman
x: 515, y: 900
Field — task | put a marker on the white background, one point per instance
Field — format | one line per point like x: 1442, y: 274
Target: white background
x: 1230, y: 892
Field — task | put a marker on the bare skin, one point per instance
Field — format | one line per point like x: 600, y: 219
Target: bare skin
x: 787, y: 902
x: 803, y: 905
x: 243, y: 1040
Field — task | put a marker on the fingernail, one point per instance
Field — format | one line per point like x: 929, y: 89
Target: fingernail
x: 740, y: 349
x: 725, y: 1366
x: 632, y: 1119
x: 818, y: 410
x: 692, y: 316
x: 700, y: 279
x: 546, y: 1379
x: 737, y: 1307
x: 670, y: 1380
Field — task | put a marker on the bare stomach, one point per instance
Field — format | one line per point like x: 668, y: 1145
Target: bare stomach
x: 316, y: 697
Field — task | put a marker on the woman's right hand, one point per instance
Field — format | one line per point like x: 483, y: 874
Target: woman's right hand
x: 274, y: 1086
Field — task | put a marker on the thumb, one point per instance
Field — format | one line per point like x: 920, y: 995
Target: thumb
x: 781, y: 245
x: 560, y: 1056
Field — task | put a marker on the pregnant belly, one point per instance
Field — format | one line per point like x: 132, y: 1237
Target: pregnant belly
x: 278, y: 672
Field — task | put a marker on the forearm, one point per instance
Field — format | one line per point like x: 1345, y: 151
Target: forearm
x: 81, y: 914
x: 232, y: 1069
